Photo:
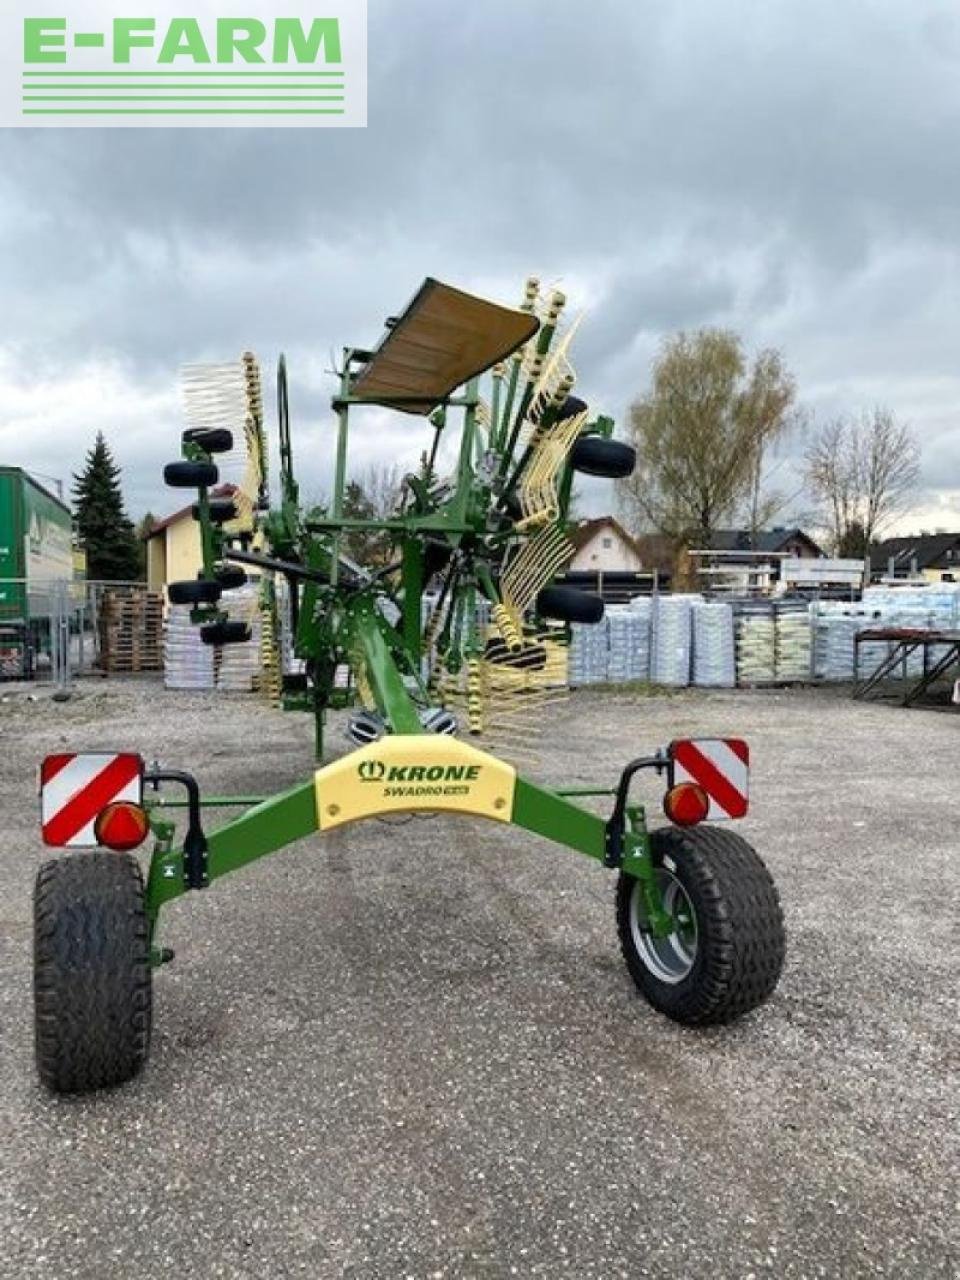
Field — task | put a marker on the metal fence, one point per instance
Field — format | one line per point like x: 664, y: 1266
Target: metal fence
x: 56, y: 630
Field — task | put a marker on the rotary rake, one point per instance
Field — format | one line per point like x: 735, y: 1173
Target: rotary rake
x: 454, y: 640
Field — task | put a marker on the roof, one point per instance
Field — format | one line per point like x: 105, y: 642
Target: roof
x: 927, y: 549
x: 581, y: 533
x: 221, y: 491
x: 769, y: 540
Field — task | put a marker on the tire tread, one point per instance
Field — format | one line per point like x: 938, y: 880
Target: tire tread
x: 92, y: 976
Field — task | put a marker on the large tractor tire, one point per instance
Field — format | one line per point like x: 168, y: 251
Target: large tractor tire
x: 92, y: 976
x: 725, y: 956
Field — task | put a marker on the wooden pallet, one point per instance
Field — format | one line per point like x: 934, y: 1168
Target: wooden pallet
x: 130, y: 625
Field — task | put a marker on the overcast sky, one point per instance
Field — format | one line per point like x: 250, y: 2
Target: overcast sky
x: 787, y: 168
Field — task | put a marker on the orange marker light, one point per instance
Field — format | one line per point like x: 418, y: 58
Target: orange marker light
x: 121, y: 826
x: 686, y: 804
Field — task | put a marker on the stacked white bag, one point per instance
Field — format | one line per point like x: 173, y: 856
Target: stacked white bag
x: 187, y: 661
x: 589, y: 653
x: 672, y: 640
x: 628, y: 636
x: 756, y: 646
x: 238, y: 667
x: 714, y: 662
x: 793, y: 644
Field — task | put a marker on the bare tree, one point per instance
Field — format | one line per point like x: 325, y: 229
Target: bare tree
x: 701, y: 434
x: 373, y: 495
x: 862, y: 473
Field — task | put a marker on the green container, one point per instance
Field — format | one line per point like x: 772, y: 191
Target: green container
x: 35, y: 542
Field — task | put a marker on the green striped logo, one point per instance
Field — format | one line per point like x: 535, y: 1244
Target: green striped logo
x: 286, y: 63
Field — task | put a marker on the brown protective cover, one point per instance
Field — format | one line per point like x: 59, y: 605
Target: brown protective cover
x: 444, y: 337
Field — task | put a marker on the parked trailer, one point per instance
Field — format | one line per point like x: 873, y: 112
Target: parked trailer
x: 36, y: 550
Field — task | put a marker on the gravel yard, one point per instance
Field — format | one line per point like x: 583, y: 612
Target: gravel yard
x: 414, y: 1050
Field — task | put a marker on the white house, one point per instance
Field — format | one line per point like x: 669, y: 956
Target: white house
x: 603, y: 546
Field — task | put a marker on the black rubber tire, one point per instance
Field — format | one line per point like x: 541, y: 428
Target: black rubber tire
x: 221, y: 510
x: 230, y: 576
x: 596, y: 456
x: 225, y: 633
x: 740, y: 936
x: 92, y: 977
x: 197, y: 591
x: 211, y: 439
x: 569, y: 604
x: 190, y: 475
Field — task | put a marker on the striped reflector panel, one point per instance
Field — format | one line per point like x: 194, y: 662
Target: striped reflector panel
x: 75, y: 788
x: 722, y: 767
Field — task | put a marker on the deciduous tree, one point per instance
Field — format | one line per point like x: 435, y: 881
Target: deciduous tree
x: 862, y: 473
x: 701, y: 434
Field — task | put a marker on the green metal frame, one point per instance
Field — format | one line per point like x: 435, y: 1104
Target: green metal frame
x: 341, y: 615
x: 271, y: 823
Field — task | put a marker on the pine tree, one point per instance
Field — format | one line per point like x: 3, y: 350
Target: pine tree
x: 102, y: 523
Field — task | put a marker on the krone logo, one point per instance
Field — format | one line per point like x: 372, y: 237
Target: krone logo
x: 371, y: 770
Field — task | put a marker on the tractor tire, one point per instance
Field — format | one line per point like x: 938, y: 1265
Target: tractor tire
x: 569, y: 604
x: 225, y: 633
x: 596, y: 456
x: 210, y: 439
x: 190, y: 475
x: 726, y: 954
x: 221, y: 510
x: 197, y: 591
x: 230, y: 576
x: 92, y: 977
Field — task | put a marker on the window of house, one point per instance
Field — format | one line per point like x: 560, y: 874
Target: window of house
x: 606, y: 543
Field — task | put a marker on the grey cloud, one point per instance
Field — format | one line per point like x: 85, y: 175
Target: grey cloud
x: 783, y: 169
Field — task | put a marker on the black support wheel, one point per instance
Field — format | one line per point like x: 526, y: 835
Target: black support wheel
x: 726, y: 952
x: 597, y: 456
x: 229, y: 576
x: 92, y: 976
x: 210, y: 439
x: 190, y: 475
x: 569, y: 604
x: 220, y: 510
x: 194, y: 591
x: 217, y: 633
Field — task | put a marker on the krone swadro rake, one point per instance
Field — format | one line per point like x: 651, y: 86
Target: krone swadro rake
x: 453, y: 639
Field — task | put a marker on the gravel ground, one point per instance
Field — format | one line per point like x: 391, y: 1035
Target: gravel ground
x: 415, y: 1051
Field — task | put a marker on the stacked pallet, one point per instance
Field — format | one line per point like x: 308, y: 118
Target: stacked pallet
x: 130, y: 625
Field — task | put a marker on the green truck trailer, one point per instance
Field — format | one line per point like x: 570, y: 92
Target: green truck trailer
x: 35, y: 552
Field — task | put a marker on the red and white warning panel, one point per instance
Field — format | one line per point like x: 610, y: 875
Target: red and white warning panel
x: 722, y: 767
x: 76, y: 788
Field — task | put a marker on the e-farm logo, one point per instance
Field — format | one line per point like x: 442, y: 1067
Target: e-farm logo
x: 283, y: 62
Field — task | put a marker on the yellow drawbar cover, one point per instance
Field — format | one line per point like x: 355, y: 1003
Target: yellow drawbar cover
x: 414, y: 772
